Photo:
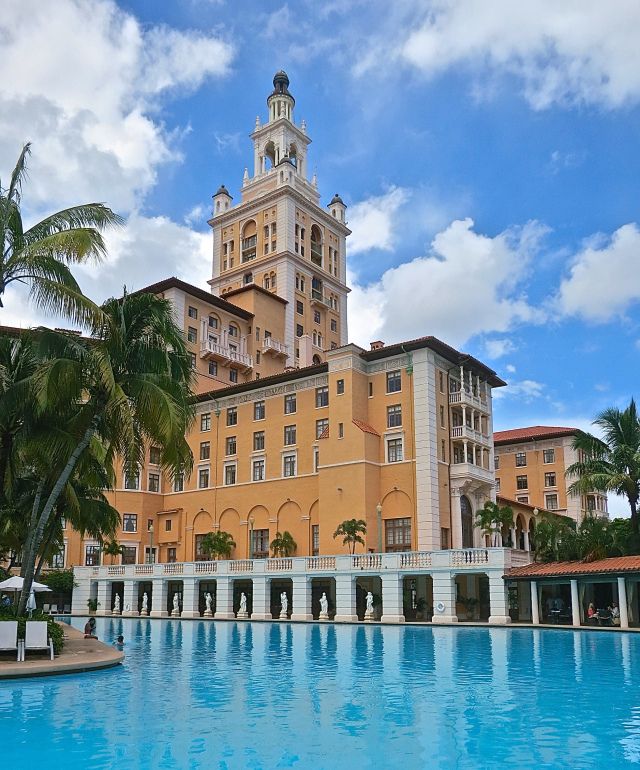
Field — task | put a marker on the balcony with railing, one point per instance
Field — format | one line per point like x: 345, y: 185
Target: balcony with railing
x: 469, y: 433
x: 225, y: 354
x: 249, y: 246
x: 318, y: 298
x: 316, y: 254
x: 274, y: 347
x: 466, y: 397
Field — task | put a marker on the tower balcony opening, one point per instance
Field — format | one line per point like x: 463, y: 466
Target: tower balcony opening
x: 274, y: 347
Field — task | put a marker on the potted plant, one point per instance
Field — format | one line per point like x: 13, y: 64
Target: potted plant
x: 421, y: 606
x: 93, y: 605
x: 470, y: 603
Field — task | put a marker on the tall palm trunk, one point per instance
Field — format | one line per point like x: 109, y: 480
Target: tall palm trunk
x: 29, y: 562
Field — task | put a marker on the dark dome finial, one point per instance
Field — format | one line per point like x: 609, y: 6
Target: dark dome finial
x: 281, y: 85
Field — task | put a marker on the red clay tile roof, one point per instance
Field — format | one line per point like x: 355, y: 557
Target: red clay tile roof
x: 562, y: 568
x: 530, y: 434
x: 365, y: 427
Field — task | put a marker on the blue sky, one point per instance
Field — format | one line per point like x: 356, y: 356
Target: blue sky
x: 487, y: 151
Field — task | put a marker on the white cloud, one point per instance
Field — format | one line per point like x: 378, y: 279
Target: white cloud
x: 197, y: 215
x: 523, y: 390
x: 571, y: 51
x: 372, y: 221
x: 499, y: 347
x: 82, y: 83
x: 468, y: 284
x: 510, y: 368
x: 604, y: 278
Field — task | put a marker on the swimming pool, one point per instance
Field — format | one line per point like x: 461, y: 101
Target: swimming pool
x: 196, y: 694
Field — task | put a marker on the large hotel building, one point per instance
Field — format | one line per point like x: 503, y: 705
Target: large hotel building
x: 298, y: 430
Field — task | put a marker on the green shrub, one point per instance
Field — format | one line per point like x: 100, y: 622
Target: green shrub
x: 60, y: 581
x: 55, y: 631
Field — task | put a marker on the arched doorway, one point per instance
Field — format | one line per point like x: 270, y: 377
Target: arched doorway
x: 466, y: 515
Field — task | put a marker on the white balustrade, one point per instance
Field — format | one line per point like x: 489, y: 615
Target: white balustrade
x: 205, y: 567
x: 415, y: 559
x: 367, y: 561
x: 241, y: 565
x: 279, y: 565
x: 173, y: 569
x: 469, y: 557
x: 119, y: 570
x: 320, y: 563
x: 143, y: 569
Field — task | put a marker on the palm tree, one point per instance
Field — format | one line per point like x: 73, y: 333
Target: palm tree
x: 492, y: 518
x: 594, y: 540
x: 283, y: 544
x: 554, y: 538
x: 218, y: 544
x: 41, y: 255
x: 351, y: 532
x: 112, y: 548
x: 611, y: 464
x: 125, y: 388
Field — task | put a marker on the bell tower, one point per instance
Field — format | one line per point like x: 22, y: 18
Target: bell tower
x: 279, y: 237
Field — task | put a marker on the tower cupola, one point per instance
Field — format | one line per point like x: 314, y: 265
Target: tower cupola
x: 280, y: 101
x: 337, y: 208
x: 221, y: 201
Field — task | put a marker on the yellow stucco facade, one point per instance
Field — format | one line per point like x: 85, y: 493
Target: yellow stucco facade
x: 296, y: 429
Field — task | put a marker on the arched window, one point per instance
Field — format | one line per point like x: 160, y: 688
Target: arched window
x: 269, y: 156
x: 249, y: 241
x: 317, y: 360
x: 466, y: 514
x: 316, y: 245
x: 273, y: 281
x: 266, y: 281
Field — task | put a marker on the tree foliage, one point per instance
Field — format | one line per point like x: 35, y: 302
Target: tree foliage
x: 283, y: 544
x: 492, y: 518
x: 41, y: 254
x: 557, y: 538
x: 610, y: 464
x: 218, y: 544
x: 351, y: 532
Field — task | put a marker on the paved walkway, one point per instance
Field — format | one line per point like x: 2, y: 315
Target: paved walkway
x: 79, y: 654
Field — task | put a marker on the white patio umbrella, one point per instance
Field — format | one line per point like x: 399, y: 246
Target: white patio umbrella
x: 31, y: 603
x: 15, y: 583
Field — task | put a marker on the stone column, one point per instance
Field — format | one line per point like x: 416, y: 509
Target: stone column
x: 498, y: 600
x: 514, y: 537
x: 456, y: 519
x: 622, y: 603
x: 130, y: 599
x: 104, y: 597
x: 81, y: 595
x: 527, y: 544
x: 301, y: 601
x: 159, y: 598
x: 345, y: 598
x: 392, y: 602
x: 224, y: 599
x: 444, y: 598
x: 261, y: 608
x: 535, y: 604
x: 190, y: 598
x: 575, y: 604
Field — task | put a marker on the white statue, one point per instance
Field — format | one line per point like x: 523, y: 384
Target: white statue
x: 243, y: 602
x: 324, y: 607
x: 208, y: 599
x: 284, y: 604
x: 368, y: 614
x: 145, y: 603
x: 116, y: 605
x: 176, y: 606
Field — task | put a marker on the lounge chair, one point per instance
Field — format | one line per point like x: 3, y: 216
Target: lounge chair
x: 67, y: 609
x: 9, y: 638
x: 54, y: 609
x: 45, y: 608
x: 36, y: 637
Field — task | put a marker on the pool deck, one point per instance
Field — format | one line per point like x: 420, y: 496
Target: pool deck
x: 79, y: 654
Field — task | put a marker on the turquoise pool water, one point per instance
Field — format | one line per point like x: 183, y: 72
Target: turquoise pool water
x: 195, y: 694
